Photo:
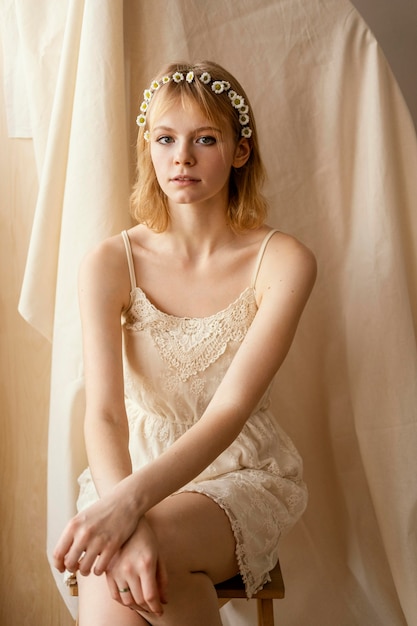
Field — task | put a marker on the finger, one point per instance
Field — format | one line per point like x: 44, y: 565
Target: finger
x: 162, y: 582
x: 61, y: 550
x: 140, y: 610
x: 113, y: 588
x: 109, y: 549
x: 104, y: 558
x: 133, y: 593
x: 69, y: 551
x: 136, y: 592
x: 151, y: 594
x: 93, y: 556
x: 120, y: 592
x: 81, y: 560
x: 125, y: 594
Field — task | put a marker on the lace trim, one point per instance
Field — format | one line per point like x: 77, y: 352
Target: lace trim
x: 191, y: 345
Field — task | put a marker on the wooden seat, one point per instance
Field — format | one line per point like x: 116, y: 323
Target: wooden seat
x: 274, y: 590
x: 233, y: 589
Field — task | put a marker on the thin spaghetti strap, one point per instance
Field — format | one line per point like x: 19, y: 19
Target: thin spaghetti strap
x: 260, y: 256
x: 129, y: 259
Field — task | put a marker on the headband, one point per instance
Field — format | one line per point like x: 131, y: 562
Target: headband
x: 217, y: 86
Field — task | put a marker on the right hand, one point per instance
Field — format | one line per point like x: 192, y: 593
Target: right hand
x: 94, y: 536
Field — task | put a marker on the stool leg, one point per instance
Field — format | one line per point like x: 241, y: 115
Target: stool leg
x: 265, y: 612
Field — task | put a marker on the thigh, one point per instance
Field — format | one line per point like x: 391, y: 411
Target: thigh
x: 195, y: 534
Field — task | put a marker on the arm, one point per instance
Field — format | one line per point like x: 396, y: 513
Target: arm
x: 103, y: 293
x: 284, y: 284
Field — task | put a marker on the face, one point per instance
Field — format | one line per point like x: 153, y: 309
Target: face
x: 192, y: 157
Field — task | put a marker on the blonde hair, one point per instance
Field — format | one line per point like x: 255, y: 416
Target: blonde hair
x: 247, y: 207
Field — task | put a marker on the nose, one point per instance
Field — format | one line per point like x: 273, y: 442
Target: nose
x: 184, y: 153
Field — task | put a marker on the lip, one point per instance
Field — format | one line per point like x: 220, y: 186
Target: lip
x: 184, y: 180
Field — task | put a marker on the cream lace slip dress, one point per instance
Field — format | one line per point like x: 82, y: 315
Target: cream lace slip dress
x: 172, y: 368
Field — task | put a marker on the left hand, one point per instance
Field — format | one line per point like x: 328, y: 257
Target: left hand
x: 137, y: 575
x: 94, y: 536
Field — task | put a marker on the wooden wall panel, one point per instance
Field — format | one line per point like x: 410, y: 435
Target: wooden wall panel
x: 28, y: 594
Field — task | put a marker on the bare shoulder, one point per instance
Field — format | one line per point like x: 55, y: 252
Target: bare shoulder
x: 108, y: 256
x: 289, y: 251
x: 288, y: 266
x: 104, y: 269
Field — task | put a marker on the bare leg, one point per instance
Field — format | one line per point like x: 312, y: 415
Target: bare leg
x: 198, y: 547
x: 97, y: 608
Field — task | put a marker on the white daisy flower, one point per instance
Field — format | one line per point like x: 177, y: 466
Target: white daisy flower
x: 141, y: 120
x: 147, y: 94
x: 155, y: 85
x: 177, y: 77
x: 237, y: 101
x: 165, y: 80
x: 190, y: 77
x: 217, y: 86
x: 244, y: 109
x: 232, y: 94
x: 246, y: 132
x: 205, y: 78
x: 146, y: 135
x: 144, y: 106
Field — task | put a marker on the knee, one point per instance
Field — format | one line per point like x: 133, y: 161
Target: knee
x: 173, y: 546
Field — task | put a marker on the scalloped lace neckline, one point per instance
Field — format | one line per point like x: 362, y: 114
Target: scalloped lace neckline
x: 240, y: 297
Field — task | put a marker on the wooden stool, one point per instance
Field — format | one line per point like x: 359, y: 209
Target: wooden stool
x: 274, y: 590
x: 234, y: 589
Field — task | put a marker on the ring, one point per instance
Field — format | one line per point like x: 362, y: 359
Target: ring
x: 124, y: 590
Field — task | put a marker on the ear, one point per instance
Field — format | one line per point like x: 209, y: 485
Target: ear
x: 242, y: 153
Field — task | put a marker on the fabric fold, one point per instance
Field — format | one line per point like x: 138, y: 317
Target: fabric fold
x: 83, y: 198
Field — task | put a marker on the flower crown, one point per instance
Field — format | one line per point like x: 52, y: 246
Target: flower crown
x: 218, y: 87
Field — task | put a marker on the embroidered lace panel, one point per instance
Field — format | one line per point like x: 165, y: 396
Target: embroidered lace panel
x: 191, y: 345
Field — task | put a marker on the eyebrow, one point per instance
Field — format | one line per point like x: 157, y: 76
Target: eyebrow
x: 197, y: 130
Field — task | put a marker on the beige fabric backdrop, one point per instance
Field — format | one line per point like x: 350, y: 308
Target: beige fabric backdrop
x: 340, y: 150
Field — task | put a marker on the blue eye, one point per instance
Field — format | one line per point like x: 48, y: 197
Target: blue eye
x: 165, y: 139
x: 206, y: 140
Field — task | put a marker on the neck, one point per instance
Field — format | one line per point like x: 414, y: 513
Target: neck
x: 198, y: 233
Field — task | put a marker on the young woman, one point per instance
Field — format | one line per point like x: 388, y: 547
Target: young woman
x: 186, y: 319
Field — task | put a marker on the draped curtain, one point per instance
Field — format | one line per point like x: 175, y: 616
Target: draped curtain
x: 340, y: 151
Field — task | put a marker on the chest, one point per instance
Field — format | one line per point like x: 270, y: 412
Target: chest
x: 188, y: 346
x: 195, y: 290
